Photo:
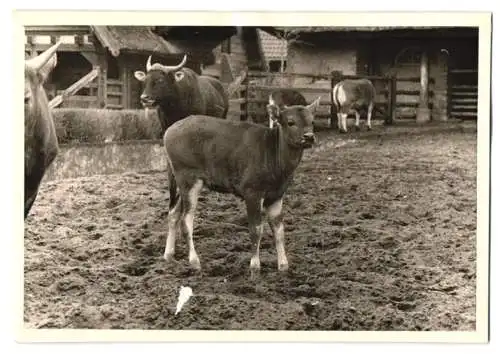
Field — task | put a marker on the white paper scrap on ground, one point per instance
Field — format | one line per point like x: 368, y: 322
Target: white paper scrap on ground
x: 184, y: 294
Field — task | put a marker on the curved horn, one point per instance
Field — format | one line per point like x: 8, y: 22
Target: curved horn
x: 177, y: 67
x: 38, y: 62
x: 165, y: 68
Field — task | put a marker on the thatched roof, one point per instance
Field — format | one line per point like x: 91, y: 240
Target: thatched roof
x: 131, y: 39
x: 351, y: 28
x: 280, y: 31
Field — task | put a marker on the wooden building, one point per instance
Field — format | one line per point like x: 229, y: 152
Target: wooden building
x: 248, y: 48
x: 436, y: 67
x: 101, y: 60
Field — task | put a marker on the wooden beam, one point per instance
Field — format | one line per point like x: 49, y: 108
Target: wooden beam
x: 125, y: 85
x: 92, y: 58
x: 423, y: 111
x: 391, y: 114
x: 84, y: 81
x: 57, y: 29
x: 65, y: 47
x: 102, y: 84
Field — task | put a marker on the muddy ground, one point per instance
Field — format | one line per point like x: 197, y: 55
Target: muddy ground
x: 380, y: 235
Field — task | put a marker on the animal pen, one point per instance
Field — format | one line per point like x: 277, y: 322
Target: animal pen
x: 254, y: 93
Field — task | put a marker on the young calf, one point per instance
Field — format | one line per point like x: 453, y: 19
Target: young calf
x: 352, y: 96
x: 249, y: 160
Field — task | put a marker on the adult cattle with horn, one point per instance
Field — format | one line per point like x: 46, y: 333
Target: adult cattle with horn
x: 40, y: 140
x: 178, y: 92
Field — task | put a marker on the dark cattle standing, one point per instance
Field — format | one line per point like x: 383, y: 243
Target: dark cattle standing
x: 353, y: 96
x: 284, y: 97
x: 40, y: 140
x: 245, y: 159
x: 179, y: 92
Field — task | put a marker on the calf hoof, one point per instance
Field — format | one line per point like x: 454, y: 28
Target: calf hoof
x: 254, y: 267
x: 358, y: 128
x: 168, y: 257
x: 283, y: 267
x: 369, y: 127
x: 342, y: 131
x: 254, y: 273
x: 195, y: 263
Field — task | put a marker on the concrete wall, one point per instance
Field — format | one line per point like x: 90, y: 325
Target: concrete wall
x: 82, y: 160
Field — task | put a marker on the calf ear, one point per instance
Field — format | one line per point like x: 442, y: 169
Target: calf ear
x: 273, y: 110
x: 314, y: 106
x: 140, y: 75
x: 179, y: 75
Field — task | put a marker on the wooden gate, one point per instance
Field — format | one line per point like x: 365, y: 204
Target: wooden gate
x: 463, y: 93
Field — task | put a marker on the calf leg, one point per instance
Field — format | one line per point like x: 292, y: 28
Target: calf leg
x: 275, y: 216
x: 255, y: 227
x: 189, y: 200
x: 341, y: 122
x: 173, y: 226
x: 343, y: 118
x: 369, y: 116
x: 357, y: 120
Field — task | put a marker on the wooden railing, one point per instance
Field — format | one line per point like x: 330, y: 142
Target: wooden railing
x: 77, y: 86
x: 463, y: 93
x: 114, y: 93
x: 255, y: 90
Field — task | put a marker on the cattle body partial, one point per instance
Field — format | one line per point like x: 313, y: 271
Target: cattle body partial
x: 284, y: 97
x: 353, y: 96
x: 246, y: 159
x: 40, y: 140
x: 178, y: 92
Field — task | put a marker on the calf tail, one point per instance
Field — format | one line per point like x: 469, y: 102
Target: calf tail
x: 334, y: 97
x: 172, y: 186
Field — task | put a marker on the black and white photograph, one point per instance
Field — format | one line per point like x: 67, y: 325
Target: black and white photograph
x: 217, y: 177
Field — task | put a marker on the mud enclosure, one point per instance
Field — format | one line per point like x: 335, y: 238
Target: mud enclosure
x: 380, y: 235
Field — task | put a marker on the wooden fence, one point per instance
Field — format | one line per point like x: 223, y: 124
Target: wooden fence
x: 462, y: 86
x: 70, y: 97
x: 395, y: 96
x: 255, y: 90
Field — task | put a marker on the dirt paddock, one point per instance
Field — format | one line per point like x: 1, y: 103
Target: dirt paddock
x: 380, y: 235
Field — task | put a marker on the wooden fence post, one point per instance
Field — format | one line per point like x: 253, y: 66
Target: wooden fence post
x: 391, y: 114
x: 244, y: 106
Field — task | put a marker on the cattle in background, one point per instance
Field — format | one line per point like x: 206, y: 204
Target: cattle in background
x: 178, y: 92
x: 248, y: 160
x: 283, y: 97
x: 353, y: 96
x: 40, y: 140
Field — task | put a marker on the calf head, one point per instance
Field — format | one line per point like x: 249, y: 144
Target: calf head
x: 36, y: 72
x: 160, y: 82
x: 296, y: 122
